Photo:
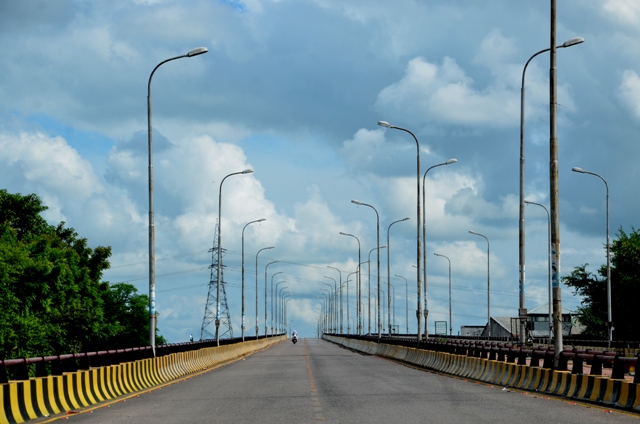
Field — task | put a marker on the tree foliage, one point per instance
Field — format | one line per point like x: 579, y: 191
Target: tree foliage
x: 625, y: 288
x: 52, y: 299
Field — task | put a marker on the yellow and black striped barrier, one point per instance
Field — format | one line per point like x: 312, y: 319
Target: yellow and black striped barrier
x: 24, y: 400
x: 589, y: 388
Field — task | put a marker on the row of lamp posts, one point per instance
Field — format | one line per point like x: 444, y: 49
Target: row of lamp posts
x: 552, y: 220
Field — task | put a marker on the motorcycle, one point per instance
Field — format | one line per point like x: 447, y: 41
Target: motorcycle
x: 294, y: 339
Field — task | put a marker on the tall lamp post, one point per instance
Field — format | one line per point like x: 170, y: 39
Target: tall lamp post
x: 278, y: 300
x: 548, y: 264
x: 488, y: 284
x: 246, y: 171
x: 341, y: 314
x: 369, y: 282
x: 406, y: 284
x: 609, y: 318
x: 355, y: 202
x: 348, y: 319
x: 243, y: 228
x: 152, y: 241
x: 272, y: 302
x: 265, y: 248
x: 335, y: 304
x: 418, y: 242
x: 522, y: 312
x: 357, y: 283
x: 450, y: 315
x: 330, y: 310
x: 281, y: 323
x: 389, y: 268
x: 424, y: 240
x: 265, y: 294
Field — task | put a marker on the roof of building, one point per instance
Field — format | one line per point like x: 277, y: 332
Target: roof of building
x: 544, y: 310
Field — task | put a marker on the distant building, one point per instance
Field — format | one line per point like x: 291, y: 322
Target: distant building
x: 471, y: 330
x: 537, y: 324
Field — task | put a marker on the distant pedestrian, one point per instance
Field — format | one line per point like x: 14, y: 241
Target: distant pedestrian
x: 191, y: 338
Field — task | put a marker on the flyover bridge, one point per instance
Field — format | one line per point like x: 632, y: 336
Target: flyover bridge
x: 317, y: 380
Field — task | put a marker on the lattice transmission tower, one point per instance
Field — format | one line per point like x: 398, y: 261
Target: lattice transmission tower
x: 210, y: 308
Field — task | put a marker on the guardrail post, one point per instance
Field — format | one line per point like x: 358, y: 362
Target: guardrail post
x: 3, y: 373
x: 522, y: 357
x: 618, y: 369
x: 596, y: 366
x: 577, y: 365
x: 41, y: 368
x: 563, y: 361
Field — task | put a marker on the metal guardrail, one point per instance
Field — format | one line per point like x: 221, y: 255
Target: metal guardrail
x: 506, y: 352
x: 42, y: 366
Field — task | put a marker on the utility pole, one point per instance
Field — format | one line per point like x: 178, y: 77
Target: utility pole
x: 554, y: 197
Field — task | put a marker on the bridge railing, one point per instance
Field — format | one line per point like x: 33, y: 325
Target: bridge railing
x: 573, y: 360
x: 42, y: 366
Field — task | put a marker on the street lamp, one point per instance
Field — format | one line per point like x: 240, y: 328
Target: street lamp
x: 369, y: 283
x: 406, y: 284
x: 548, y: 264
x: 152, y: 242
x: 424, y: 240
x: 450, y: 316
x: 355, y: 202
x: 335, y: 304
x: 278, y: 300
x: 357, y: 283
x: 488, y: 284
x: 389, y: 267
x: 418, y: 243
x: 243, y: 228
x: 522, y: 312
x: 341, y: 314
x: 265, y: 248
x: 246, y: 171
x: 609, y: 318
x: 273, y: 275
x: 330, y: 310
x: 265, y: 294
x: 348, y: 319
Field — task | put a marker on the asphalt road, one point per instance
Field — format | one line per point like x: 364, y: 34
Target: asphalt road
x: 318, y: 381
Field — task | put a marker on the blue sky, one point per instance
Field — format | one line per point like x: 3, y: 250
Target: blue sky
x: 294, y: 89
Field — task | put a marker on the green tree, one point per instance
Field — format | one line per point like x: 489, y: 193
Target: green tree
x: 52, y: 300
x: 128, y: 315
x: 625, y: 279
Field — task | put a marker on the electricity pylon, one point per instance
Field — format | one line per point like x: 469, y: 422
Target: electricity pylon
x: 210, y: 308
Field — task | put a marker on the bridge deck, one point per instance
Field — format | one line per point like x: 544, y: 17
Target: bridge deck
x: 319, y: 381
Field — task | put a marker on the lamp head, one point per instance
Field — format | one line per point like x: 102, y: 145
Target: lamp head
x: 197, y: 51
x: 355, y: 202
x: 344, y: 234
x: 247, y: 171
x: 385, y: 124
x: 450, y: 161
x: 573, y: 42
x: 406, y: 219
x: 473, y: 232
x: 576, y: 169
x: 261, y: 219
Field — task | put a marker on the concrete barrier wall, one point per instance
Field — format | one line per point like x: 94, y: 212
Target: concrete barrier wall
x: 45, y: 396
x: 604, y: 391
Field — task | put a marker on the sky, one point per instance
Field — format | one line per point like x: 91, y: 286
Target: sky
x: 294, y: 89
